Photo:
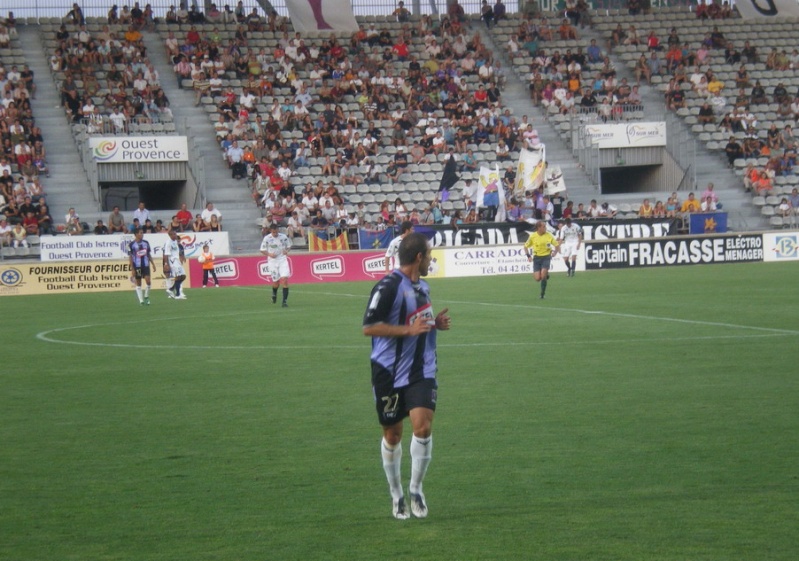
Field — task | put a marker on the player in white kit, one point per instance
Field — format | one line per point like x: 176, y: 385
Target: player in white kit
x: 276, y: 247
x: 571, y: 236
x: 392, y: 261
x: 174, y: 258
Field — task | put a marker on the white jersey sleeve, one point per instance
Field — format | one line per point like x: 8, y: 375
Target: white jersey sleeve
x: 393, y: 247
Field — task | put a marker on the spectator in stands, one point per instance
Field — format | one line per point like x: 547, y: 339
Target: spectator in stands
x: 210, y: 212
x: 733, y: 150
x: 401, y: 12
x: 691, y: 204
x: 706, y: 115
x: 235, y: 159
x: 758, y: 94
x: 567, y: 31
x: 708, y: 205
x: 646, y: 210
x: 74, y: 227
x: 75, y: 15
x: 100, y: 229
x: 499, y: 10
x: 764, y: 185
x: 116, y: 221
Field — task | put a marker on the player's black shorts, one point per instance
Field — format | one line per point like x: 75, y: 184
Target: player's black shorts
x: 541, y: 263
x: 393, y: 404
x: 141, y: 272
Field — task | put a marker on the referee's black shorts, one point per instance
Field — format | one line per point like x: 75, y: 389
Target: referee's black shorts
x: 541, y: 263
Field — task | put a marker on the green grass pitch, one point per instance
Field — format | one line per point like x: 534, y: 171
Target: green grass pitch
x: 634, y: 415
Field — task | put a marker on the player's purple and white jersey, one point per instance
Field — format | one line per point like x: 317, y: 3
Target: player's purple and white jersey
x: 396, y: 300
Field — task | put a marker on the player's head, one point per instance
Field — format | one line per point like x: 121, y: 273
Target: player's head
x: 273, y: 229
x: 541, y: 227
x: 172, y: 233
x: 414, y: 247
x: 406, y: 227
x: 568, y: 221
x: 205, y: 248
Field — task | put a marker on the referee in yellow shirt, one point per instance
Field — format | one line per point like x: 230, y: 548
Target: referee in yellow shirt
x: 544, y: 246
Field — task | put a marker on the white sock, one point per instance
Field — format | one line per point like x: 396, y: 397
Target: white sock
x: 392, y: 461
x: 421, y: 454
x: 147, y: 291
x: 138, y: 294
x: 170, y: 283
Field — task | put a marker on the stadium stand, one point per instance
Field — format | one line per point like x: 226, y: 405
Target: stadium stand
x: 372, y: 117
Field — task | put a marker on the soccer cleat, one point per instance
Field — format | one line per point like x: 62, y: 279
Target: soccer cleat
x: 170, y: 294
x: 181, y: 297
x: 285, y: 305
x: 418, y: 506
x: 274, y: 299
x: 400, y: 509
x: 147, y: 301
x: 542, y: 297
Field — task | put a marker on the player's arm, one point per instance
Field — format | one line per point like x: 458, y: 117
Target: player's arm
x: 150, y: 259
x: 527, y: 248
x: 555, y: 245
x: 419, y: 326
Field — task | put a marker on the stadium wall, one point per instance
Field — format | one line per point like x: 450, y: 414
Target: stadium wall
x: 448, y: 262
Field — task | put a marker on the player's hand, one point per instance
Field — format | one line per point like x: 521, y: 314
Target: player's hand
x: 443, y: 321
x: 529, y: 258
x: 420, y: 325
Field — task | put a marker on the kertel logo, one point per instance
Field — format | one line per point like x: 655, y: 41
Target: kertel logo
x: 227, y: 270
x: 263, y: 270
x: 331, y: 267
x: 374, y: 266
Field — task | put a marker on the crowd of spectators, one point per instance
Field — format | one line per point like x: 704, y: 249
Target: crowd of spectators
x: 424, y: 91
x: 580, y: 79
x: 732, y: 102
x: 23, y: 160
x: 108, y: 82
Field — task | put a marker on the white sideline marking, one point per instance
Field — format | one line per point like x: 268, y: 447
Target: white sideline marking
x: 48, y: 336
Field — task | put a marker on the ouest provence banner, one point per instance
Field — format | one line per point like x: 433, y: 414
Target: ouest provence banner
x: 130, y: 149
x: 629, y: 135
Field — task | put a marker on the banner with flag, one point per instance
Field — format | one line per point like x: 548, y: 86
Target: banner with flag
x: 490, y: 191
x: 321, y: 15
x: 373, y: 239
x: 339, y: 243
x: 530, y: 171
x: 554, y: 181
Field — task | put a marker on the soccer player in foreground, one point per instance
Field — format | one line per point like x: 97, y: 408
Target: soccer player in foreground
x: 276, y: 247
x: 141, y: 261
x: 544, y: 246
x: 400, y: 320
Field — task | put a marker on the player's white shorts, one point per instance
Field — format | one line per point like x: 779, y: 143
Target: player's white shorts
x: 278, y: 269
x: 568, y: 250
x: 176, y: 268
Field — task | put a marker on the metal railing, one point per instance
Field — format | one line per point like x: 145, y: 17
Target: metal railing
x: 587, y: 152
x: 103, y: 126
x: 196, y: 163
x: 89, y: 165
x: 681, y: 144
x: 38, y: 9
